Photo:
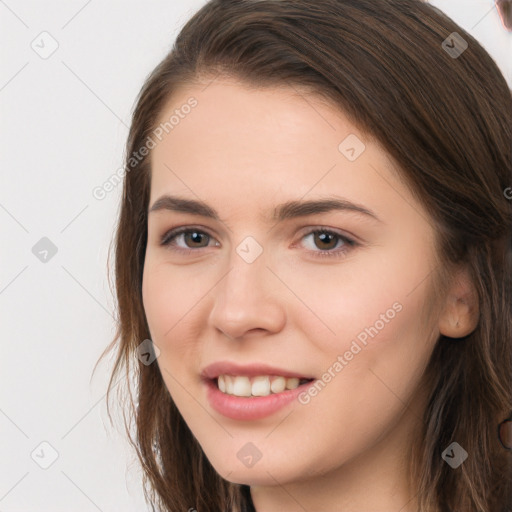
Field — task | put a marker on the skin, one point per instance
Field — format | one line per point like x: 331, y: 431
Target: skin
x: 243, y: 151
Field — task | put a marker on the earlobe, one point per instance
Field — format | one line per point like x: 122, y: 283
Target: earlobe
x: 460, y: 314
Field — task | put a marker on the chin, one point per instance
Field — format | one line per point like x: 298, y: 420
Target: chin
x: 263, y: 473
x: 254, y: 477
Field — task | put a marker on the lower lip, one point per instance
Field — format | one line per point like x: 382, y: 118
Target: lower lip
x: 250, y: 408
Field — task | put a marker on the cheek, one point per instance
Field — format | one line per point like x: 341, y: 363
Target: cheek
x: 370, y: 334
x: 371, y: 296
x: 374, y: 364
x: 170, y: 304
x: 169, y: 299
x: 365, y: 389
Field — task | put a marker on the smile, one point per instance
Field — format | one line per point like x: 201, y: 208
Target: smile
x: 251, y: 391
x: 261, y: 385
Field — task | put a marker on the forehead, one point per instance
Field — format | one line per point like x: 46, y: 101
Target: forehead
x: 241, y: 143
x: 230, y: 120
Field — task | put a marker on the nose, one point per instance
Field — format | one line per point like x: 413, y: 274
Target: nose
x: 248, y: 299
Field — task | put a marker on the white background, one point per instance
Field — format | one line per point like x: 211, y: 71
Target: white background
x: 64, y: 121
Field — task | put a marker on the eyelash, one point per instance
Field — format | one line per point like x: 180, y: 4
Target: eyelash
x: 331, y: 253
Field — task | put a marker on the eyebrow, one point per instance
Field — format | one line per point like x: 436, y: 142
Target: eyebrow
x: 288, y: 210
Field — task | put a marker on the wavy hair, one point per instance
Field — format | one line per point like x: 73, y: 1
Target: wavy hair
x: 446, y: 120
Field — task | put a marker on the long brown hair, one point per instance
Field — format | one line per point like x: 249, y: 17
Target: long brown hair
x: 446, y: 120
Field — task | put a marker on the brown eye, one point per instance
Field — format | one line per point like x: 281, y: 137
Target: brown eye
x: 324, y: 240
x: 189, y: 238
x: 196, y: 238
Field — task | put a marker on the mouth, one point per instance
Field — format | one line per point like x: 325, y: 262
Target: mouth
x: 251, y: 392
x: 253, y: 379
x: 260, y: 385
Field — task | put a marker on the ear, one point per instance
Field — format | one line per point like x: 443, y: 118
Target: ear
x: 460, y: 314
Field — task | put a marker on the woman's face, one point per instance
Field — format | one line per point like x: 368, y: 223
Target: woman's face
x: 268, y: 283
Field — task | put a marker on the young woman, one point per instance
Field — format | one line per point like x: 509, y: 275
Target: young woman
x: 314, y: 260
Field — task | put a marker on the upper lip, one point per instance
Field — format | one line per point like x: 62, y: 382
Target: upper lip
x: 212, y: 371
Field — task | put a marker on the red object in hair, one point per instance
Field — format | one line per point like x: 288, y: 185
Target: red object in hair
x: 504, y: 8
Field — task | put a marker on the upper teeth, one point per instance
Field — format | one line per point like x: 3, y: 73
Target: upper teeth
x: 262, y: 385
